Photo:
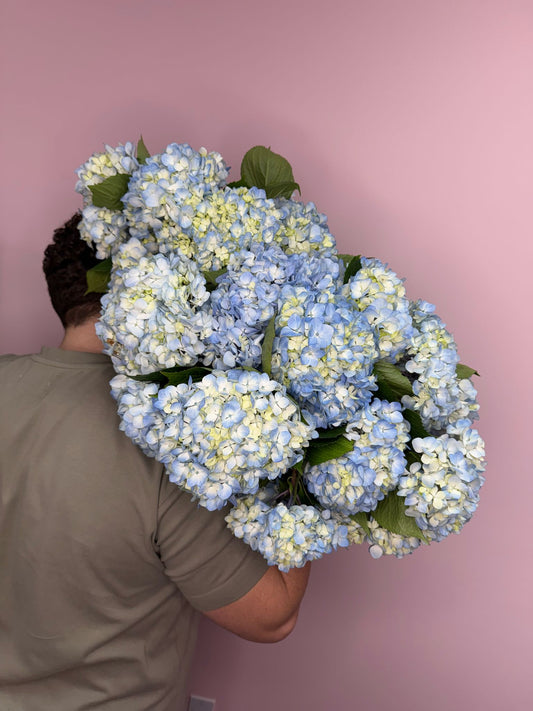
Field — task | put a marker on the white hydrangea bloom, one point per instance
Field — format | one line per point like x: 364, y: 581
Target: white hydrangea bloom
x: 377, y: 290
x: 438, y: 394
x: 383, y: 542
x: 442, y: 490
x: 303, y: 229
x: 104, y: 228
x: 231, y: 220
x: 101, y: 166
x: 152, y: 316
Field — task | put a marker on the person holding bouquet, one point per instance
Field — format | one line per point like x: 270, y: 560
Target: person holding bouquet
x: 105, y: 563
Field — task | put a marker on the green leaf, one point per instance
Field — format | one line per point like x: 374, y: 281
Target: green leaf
x: 392, y: 379
x: 390, y: 514
x: 362, y: 519
x: 98, y: 277
x: 196, y: 373
x: 110, y: 191
x: 384, y: 392
x: 142, y: 151
x: 392, y: 386
x: 299, y: 466
x: 412, y: 457
x: 268, y: 340
x: 332, y: 433
x: 237, y: 184
x: 155, y: 377
x: 265, y: 169
x: 212, y: 276
x: 354, y: 265
x: 417, y: 428
x: 317, y: 452
x: 174, y: 376
x: 465, y: 371
x: 346, y: 258
x: 284, y: 189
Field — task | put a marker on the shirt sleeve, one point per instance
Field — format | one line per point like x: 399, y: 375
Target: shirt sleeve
x: 209, y: 565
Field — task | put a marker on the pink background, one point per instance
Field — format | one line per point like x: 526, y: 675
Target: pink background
x: 410, y: 124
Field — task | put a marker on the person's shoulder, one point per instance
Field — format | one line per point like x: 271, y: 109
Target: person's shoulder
x: 11, y: 362
x: 6, y: 358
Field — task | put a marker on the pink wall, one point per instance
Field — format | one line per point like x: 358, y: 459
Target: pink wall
x: 410, y: 124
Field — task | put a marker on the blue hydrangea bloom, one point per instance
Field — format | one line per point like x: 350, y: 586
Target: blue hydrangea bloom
x: 324, y: 352
x: 315, y: 271
x: 244, y: 302
x: 104, y: 228
x: 139, y: 419
x: 359, y: 479
x: 287, y: 536
x: 217, y: 437
x: 165, y: 191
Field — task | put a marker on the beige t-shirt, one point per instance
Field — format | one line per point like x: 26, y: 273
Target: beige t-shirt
x: 103, y: 562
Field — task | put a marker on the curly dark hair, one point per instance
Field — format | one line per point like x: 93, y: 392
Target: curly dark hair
x: 66, y: 261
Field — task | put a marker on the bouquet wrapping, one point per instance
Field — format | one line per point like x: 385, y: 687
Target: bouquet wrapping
x: 298, y: 387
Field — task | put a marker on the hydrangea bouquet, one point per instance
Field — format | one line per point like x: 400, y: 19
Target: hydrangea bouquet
x: 297, y: 386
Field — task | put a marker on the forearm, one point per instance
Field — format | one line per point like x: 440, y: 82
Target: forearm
x: 295, y: 582
x: 268, y: 612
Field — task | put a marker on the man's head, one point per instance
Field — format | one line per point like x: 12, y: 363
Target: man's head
x: 65, y: 264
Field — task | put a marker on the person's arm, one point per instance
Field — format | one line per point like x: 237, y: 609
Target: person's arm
x: 268, y: 612
x: 221, y: 576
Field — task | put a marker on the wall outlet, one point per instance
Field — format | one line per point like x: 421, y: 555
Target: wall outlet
x: 199, y: 703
